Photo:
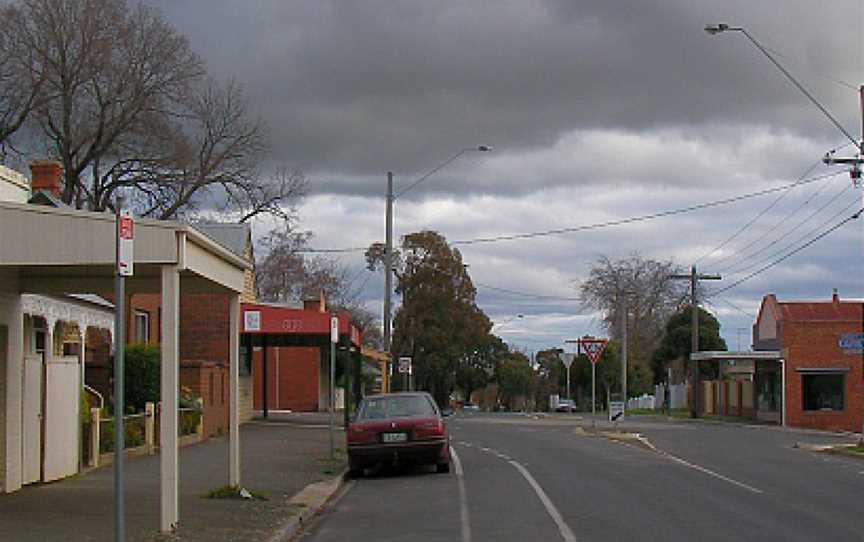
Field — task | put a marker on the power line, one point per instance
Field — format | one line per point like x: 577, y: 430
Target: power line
x: 787, y: 256
x: 759, y: 215
x: 610, y: 223
x: 773, y: 228
x: 640, y: 218
x: 526, y: 294
x: 788, y: 233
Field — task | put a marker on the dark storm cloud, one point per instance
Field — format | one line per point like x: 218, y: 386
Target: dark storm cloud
x: 357, y: 88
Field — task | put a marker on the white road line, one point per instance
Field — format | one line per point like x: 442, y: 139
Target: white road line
x: 563, y: 528
x: 463, y: 497
x: 698, y: 467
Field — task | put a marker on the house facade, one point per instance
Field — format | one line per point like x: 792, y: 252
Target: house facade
x: 819, y: 342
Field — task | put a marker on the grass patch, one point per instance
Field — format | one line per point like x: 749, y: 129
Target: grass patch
x: 856, y: 448
x: 233, y: 492
x: 676, y: 412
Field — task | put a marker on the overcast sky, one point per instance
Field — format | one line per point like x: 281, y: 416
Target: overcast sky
x: 597, y: 110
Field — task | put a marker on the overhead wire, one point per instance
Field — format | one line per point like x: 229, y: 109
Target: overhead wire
x: 732, y: 268
x: 786, y: 256
x: 758, y: 215
x: 610, y: 223
x: 777, y: 224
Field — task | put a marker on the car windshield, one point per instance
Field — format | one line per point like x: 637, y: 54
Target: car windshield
x: 396, y: 407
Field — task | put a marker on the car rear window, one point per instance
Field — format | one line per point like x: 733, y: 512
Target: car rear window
x: 396, y: 407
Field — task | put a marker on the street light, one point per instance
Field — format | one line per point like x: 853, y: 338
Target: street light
x: 507, y: 321
x: 388, y: 248
x: 720, y: 28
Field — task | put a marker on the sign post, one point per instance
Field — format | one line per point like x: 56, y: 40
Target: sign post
x: 406, y: 369
x: 593, y: 348
x: 124, y: 257
x: 568, y: 361
x: 334, y: 338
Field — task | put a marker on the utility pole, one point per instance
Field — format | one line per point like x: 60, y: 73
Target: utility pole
x: 624, y: 350
x: 855, y: 163
x: 388, y: 269
x: 694, y: 279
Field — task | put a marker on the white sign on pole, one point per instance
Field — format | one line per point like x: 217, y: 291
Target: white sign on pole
x: 405, y: 365
x: 616, y: 410
x: 126, y: 235
x: 568, y: 359
x: 252, y: 321
x: 334, y: 329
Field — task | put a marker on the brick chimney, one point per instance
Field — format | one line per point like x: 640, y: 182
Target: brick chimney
x: 316, y: 305
x: 46, y: 176
x: 835, y: 298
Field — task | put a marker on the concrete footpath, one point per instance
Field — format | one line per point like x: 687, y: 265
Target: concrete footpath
x: 278, y: 461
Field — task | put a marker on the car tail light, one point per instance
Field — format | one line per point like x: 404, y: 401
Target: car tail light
x: 429, y: 429
x: 358, y: 433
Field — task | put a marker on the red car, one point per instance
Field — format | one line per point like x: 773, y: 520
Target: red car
x: 398, y: 428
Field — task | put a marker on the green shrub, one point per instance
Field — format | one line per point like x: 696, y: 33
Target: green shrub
x: 141, y: 376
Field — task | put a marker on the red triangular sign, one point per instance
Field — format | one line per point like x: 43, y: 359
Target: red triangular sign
x: 593, y: 348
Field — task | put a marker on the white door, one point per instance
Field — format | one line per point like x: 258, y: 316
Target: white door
x: 62, y: 402
x: 31, y: 423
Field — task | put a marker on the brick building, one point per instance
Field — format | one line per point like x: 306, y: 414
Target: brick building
x: 822, y: 380
x: 291, y: 353
x: 204, y: 333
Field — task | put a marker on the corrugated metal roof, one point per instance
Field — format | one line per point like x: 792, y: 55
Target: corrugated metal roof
x: 231, y: 236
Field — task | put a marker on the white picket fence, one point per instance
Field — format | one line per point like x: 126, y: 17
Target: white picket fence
x: 677, y: 396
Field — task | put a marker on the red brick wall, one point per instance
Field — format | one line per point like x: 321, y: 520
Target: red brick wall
x: 292, y: 374
x: 815, y: 344
x: 210, y: 382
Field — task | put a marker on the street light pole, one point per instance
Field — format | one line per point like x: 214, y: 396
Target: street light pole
x: 388, y: 243
x: 855, y: 162
x: 388, y: 270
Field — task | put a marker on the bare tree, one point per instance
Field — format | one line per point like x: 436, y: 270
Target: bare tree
x: 105, y: 69
x: 651, y: 298
x: 20, y: 82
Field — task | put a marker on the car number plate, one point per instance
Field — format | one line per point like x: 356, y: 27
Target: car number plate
x: 394, y: 437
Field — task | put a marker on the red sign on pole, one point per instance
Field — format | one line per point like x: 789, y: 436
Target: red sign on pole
x: 593, y: 348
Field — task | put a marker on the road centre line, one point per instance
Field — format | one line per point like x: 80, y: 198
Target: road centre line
x: 463, y: 497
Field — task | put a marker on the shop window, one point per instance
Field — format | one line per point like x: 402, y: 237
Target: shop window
x: 142, y: 327
x: 822, y: 391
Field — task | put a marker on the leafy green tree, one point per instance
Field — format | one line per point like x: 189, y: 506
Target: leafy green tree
x: 551, y: 377
x: 438, y: 324
x: 477, y: 367
x: 515, y: 378
x: 677, y: 342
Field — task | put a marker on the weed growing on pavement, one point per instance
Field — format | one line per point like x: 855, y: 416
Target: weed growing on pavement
x: 233, y: 492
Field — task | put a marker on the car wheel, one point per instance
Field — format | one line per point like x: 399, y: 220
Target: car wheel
x: 442, y: 467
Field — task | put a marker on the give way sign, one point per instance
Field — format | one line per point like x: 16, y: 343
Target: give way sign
x: 593, y: 348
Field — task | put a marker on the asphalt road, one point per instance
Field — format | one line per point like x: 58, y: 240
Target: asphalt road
x: 524, y: 478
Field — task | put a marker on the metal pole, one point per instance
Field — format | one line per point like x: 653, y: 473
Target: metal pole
x: 593, y: 396
x: 861, y: 186
x: 569, y: 405
x: 264, y: 377
x: 388, y: 268
x: 119, y: 407
x: 332, y: 396
x: 694, y: 344
x: 624, y: 350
